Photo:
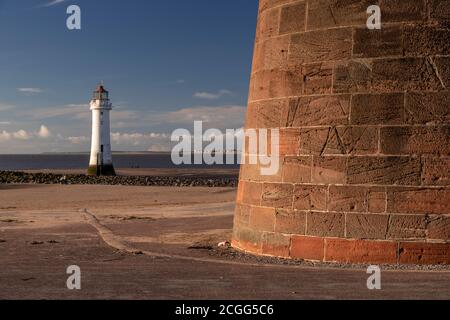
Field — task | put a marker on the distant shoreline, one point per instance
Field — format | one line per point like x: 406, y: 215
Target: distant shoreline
x: 113, y: 153
x: 85, y: 153
x: 80, y: 161
x: 127, y: 177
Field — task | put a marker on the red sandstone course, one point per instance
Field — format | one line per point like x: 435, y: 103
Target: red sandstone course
x: 364, y: 133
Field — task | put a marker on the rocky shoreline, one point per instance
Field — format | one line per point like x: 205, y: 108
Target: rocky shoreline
x: 11, y: 177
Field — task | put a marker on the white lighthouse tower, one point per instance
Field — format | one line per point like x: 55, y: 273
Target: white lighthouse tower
x: 101, y: 158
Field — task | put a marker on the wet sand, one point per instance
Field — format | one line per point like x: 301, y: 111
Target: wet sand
x: 160, y: 243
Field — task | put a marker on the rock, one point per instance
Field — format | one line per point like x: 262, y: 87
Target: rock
x: 224, y: 244
x: 10, y: 177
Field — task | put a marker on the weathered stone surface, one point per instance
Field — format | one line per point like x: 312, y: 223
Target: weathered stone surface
x: 268, y: 24
x: 440, y: 10
x: 297, y: 169
x: 436, y: 171
x: 275, y: 83
x: 378, y: 43
x: 404, y: 10
x: 252, y: 172
x: 384, y: 170
x: 313, y: 141
x: 441, y: 66
x: 405, y: 227
x: 438, y: 228
x: 366, y: 226
x: 310, y: 197
x: 422, y: 40
x: 418, y: 200
x: 318, y: 110
x: 289, y: 142
x: 262, y: 219
x: 424, y: 253
x: 378, y: 109
x: 333, y: 13
x: 275, y: 244
x: 329, y: 170
x: 319, y: 46
x: 268, y: 4
x: 377, y: 200
x: 271, y: 54
x: 415, y: 140
x: 250, y: 193
x: 361, y: 251
x: 277, y: 195
x: 364, y: 132
x: 347, y: 199
x: 290, y: 222
x: 405, y: 74
x: 325, y: 224
x: 318, y: 78
x: 293, y: 18
x: 266, y: 114
x: 242, y: 215
x: 427, y: 107
x: 351, y: 141
x: 308, y: 248
x: 352, y: 76
x: 249, y: 239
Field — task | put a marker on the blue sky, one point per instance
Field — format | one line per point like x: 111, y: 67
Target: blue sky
x: 166, y: 64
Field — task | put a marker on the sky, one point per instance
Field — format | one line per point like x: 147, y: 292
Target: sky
x: 166, y: 64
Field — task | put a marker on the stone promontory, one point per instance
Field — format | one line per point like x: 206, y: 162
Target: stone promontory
x: 11, y: 177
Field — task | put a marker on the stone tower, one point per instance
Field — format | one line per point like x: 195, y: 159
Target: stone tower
x: 364, y: 133
x: 101, y: 163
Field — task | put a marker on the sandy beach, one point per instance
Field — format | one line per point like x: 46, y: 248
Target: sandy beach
x: 160, y: 243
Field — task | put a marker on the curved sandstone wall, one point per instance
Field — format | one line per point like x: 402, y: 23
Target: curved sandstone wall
x: 364, y: 133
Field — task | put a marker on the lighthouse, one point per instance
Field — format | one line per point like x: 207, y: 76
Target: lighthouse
x: 101, y: 158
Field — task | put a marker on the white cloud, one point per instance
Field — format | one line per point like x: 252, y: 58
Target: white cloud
x: 152, y: 141
x: 211, y: 95
x: 78, y: 140
x: 133, y: 130
x: 137, y: 139
x: 23, y: 135
x: 229, y: 117
x: 53, y: 3
x: 30, y: 90
x: 4, y: 107
x: 74, y: 111
x: 5, y: 136
x: 44, y: 132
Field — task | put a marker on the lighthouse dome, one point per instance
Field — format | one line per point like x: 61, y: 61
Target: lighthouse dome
x: 101, y: 93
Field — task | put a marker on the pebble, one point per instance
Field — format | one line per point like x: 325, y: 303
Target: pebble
x: 11, y: 177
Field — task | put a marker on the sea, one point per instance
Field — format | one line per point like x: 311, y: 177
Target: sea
x: 81, y: 161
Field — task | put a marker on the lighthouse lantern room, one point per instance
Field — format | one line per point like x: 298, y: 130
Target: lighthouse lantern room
x: 101, y: 163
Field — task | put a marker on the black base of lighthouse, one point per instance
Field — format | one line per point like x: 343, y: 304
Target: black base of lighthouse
x: 102, y: 170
